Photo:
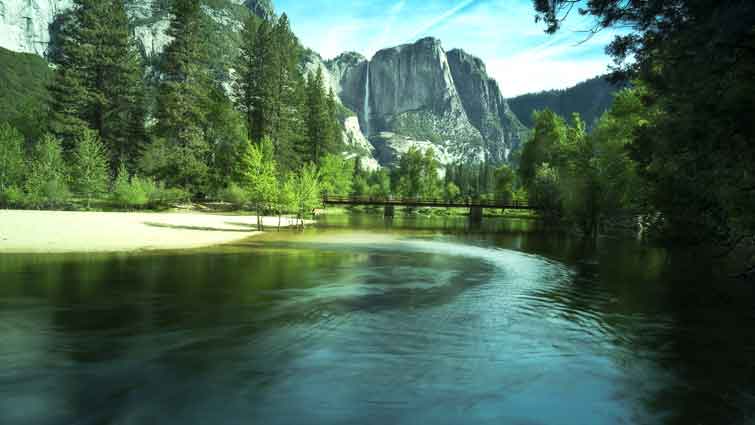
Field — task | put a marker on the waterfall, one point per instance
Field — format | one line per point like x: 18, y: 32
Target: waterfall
x: 366, y: 109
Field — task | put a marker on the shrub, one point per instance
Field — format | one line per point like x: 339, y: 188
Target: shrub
x: 162, y: 196
x: 46, y: 184
x: 12, y: 196
x: 235, y: 195
x: 129, y: 193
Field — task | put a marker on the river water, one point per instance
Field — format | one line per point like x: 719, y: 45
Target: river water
x: 363, y: 321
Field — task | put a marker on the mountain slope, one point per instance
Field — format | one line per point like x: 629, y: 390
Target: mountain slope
x: 590, y: 99
x: 419, y: 95
x: 23, y: 92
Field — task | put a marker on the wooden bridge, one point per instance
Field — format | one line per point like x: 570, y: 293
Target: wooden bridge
x: 476, y: 206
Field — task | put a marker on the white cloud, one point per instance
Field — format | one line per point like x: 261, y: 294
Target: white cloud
x: 520, y: 75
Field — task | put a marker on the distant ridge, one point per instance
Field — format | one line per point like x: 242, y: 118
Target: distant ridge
x: 589, y: 98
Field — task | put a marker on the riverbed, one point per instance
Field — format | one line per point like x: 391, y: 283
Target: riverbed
x: 369, y: 320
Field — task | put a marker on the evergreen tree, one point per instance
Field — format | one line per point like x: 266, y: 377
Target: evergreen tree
x: 98, y: 82
x: 182, y: 101
x: 47, y: 179
x: 319, y: 128
x: 90, y: 167
x: 11, y: 158
x: 269, y: 87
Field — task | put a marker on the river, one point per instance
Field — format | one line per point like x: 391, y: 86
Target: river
x: 362, y: 320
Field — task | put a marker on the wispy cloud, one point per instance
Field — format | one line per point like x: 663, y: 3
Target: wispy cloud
x: 442, y: 19
x: 503, y: 33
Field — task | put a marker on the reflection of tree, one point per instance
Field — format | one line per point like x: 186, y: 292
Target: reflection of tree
x: 668, y: 311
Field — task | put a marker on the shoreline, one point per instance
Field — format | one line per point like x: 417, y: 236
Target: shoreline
x: 63, y: 232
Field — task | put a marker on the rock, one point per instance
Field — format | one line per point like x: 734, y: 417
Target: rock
x: 347, y: 77
x: 419, y: 94
x: 486, y: 108
x: 28, y: 25
x: 311, y: 62
x: 24, y: 24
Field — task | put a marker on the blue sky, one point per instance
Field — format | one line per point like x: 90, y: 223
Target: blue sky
x: 502, y: 32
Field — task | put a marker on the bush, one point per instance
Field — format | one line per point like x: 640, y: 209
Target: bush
x: 130, y: 192
x: 162, y: 196
x: 12, y: 197
x: 235, y: 195
x: 46, y: 181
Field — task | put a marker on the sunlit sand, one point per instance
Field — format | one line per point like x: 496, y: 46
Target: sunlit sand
x: 65, y: 232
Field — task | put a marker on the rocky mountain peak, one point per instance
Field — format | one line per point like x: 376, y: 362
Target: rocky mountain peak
x: 262, y: 8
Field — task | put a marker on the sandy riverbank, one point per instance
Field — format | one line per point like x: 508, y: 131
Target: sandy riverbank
x: 65, y: 232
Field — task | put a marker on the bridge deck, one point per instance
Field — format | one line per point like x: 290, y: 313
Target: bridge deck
x: 417, y: 202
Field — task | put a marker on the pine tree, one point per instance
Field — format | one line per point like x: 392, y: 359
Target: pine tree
x: 245, y: 83
x: 90, y: 167
x: 269, y: 87
x: 183, y: 95
x: 98, y: 82
x: 318, y: 126
x: 11, y: 157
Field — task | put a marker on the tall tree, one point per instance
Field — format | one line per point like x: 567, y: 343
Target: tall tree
x: 90, y: 167
x: 98, y: 82
x: 695, y: 58
x: 11, y: 158
x: 319, y: 129
x: 47, y: 179
x: 269, y: 87
x: 182, y: 100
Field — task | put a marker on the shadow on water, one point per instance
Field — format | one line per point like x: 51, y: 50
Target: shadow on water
x: 374, y: 321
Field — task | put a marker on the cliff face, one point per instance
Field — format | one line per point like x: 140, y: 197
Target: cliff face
x: 28, y: 26
x: 24, y: 24
x: 419, y: 95
x: 486, y: 108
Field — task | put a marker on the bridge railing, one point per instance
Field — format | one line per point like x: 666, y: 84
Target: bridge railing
x: 436, y: 202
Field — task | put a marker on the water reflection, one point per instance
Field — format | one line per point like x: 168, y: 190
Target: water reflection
x: 418, y: 321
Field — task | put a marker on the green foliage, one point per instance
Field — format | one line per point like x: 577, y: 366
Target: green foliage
x: 11, y: 159
x: 544, y: 146
x: 380, y: 184
x: 694, y: 61
x: 183, y: 101
x: 140, y: 192
x: 235, y: 195
x: 24, y: 96
x: 544, y: 191
x: 259, y: 176
x: 98, y: 81
x: 287, y: 199
x: 322, y: 131
x: 227, y: 136
x: 47, y: 180
x: 504, y: 183
x: 269, y: 88
x: 306, y: 189
x: 336, y: 175
x: 417, y: 175
x: 452, y: 192
x: 178, y: 165
x: 90, y: 170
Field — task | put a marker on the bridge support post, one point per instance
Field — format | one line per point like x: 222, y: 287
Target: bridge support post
x: 388, y: 211
x: 475, y: 214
